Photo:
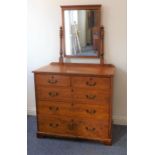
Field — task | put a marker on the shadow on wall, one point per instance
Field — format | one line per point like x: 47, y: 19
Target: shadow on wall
x: 120, y: 94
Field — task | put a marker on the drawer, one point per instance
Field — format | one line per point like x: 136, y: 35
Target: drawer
x: 52, y: 80
x: 51, y: 125
x: 82, y: 110
x: 73, y: 127
x: 92, y: 96
x: 91, y: 82
x: 54, y: 93
x: 58, y: 125
x: 93, y: 129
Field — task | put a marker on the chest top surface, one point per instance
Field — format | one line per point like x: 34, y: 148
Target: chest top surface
x: 78, y: 69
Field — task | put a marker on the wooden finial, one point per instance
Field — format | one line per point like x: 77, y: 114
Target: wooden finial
x: 61, y: 50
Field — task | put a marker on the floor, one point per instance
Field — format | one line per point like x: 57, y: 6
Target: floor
x: 52, y: 146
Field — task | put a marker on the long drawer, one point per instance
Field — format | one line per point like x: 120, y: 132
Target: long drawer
x: 73, y: 126
x: 91, y: 82
x: 54, y: 93
x: 52, y: 80
x: 77, y: 110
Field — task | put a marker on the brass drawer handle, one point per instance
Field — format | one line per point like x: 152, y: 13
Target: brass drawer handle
x: 54, y: 125
x: 90, y: 129
x: 91, y: 84
x: 54, y: 109
x: 91, y: 111
x: 91, y: 97
x: 53, y: 94
x: 52, y: 81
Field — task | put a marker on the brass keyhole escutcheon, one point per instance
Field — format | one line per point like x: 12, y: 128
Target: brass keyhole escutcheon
x: 72, y: 125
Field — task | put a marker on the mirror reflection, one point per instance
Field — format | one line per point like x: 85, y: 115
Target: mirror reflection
x: 81, y: 32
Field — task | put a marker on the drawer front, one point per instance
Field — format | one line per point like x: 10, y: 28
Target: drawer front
x: 91, y: 82
x: 54, y: 93
x: 94, y: 129
x: 74, y: 127
x: 82, y: 110
x: 51, y: 125
x: 52, y: 80
x: 92, y: 96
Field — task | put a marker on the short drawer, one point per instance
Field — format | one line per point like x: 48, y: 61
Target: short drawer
x: 72, y: 126
x: 82, y: 110
x: 93, y: 129
x: 51, y: 125
x: 92, y: 96
x: 54, y: 93
x: 52, y: 80
x: 91, y: 82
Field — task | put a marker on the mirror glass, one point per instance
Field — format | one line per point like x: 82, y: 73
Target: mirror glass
x: 81, y: 32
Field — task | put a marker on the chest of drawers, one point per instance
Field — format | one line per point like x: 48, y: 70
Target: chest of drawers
x: 74, y: 101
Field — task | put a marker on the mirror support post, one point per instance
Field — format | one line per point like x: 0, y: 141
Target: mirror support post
x: 102, y: 45
x: 61, y: 50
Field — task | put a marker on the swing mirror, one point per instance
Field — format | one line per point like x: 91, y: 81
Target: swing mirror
x: 81, y: 31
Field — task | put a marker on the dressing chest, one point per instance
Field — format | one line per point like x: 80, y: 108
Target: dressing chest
x: 75, y: 100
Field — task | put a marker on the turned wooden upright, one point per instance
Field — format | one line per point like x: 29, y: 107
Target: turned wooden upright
x: 61, y: 46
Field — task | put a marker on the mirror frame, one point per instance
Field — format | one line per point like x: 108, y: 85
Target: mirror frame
x: 62, y: 34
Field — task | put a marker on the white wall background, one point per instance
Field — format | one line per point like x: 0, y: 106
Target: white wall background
x: 44, y: 20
